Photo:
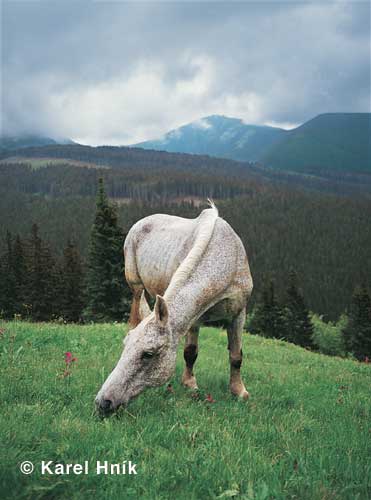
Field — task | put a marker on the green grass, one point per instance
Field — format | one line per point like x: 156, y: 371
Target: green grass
x: 305, y: 432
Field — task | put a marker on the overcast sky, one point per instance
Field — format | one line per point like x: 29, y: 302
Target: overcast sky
x: 119, y: 73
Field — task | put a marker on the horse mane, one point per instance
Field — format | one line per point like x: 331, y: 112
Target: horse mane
x: 205, y: 229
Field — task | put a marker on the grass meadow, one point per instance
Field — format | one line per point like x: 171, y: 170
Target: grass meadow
x: 305, y: 433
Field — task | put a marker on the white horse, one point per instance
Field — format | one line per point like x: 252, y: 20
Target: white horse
x: 198, y: 271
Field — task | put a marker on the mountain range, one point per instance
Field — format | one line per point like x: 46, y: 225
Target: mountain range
x: 328, y: 142
x: 14, y: 142
x: 219, y: 136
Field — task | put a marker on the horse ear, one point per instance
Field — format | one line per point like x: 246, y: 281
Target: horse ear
x: 161, y: 311
x: 144, y: 309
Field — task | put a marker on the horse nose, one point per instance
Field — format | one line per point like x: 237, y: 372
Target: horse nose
x: 105, y: 405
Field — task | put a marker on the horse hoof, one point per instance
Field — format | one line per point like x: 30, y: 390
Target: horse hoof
x: 244, y: 395
x: 190, y: 383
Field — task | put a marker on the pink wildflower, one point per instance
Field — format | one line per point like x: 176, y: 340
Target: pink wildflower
x: 209, y: 398
x: 68, y: 357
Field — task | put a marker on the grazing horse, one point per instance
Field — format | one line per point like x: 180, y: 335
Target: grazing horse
x: 198, y: 271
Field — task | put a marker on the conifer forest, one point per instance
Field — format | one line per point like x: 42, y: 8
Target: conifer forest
x: 65, y: 211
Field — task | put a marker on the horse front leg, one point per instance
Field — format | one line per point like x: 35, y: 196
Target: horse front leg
x: 190, y: 356
x: 235, y: 355
x: 134, y: 318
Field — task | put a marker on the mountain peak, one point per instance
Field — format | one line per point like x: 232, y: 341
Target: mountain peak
x: 217, y: 135
x: 332, y: 141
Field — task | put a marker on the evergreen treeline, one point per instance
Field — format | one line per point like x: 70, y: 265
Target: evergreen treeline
x: 142, y: 184
x: 357, y: 331
x: 37, y: 285
x: 289, y: 319
x: 129, y: 160
x: 325, y: 237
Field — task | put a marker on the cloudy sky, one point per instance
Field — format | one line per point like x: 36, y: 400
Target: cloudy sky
x: 122, y: 72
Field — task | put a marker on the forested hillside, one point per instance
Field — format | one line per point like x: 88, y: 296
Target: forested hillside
x: 328, y: 142
x: 325, y: 237
x: 150, y: 175
x: 13, y: 142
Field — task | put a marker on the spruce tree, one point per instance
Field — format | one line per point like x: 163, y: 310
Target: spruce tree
x: 298, y: 325
x: 2, y: 288
x: 105, y: 285
x: 268, y: 320
x: 20, y: 275
x: 357, y: 332
x: 42, y: 281
x: 8, y: 283
x: 72, y: 293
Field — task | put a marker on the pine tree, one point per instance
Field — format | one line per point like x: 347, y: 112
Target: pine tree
x: 20, y: 275
x: 357, y: 332
x: 42, y: 280
x: 105, y: 288
x: 268, y: 320
x: 2, y: 288
x: 298, y: 325
x: 7, y: 282
x: 72, y: 294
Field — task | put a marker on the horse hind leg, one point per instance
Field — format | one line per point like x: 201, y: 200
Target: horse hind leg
x: 190, y: 356
x: 235, y: 330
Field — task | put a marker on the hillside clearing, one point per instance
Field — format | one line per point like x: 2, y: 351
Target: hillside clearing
x: 305, y: 433
x: 46, y: 162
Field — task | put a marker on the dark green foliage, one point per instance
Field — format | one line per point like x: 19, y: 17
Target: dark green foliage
x: 328, y: 336
x: 20, y: 275
x: 281, y: 227
x: 29, y: 280
x: 268, y: 318
x: 36, y: 284
x: 105, y: 288
x: 357, y: 332
x: 8, y: 292
x: 289, y: 320
x: 72, y: 293
x: 13, y: 275
x: 298, y: 326
x: 43, y: 285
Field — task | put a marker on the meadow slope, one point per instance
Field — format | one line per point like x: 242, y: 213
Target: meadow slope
x: 304, y: 434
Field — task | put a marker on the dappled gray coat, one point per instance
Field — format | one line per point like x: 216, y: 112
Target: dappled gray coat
x: 197, y: 270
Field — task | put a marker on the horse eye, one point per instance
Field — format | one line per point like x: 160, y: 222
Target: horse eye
x: 147, y: 355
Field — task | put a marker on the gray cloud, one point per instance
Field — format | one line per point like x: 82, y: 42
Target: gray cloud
x: 124, y: 72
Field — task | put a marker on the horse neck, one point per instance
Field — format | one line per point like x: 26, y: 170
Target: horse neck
x: 184, y: 310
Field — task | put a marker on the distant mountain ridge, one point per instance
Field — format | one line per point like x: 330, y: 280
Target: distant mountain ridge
x: 329, y: 142
x: 13, y: 142
x: 218, y: 136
